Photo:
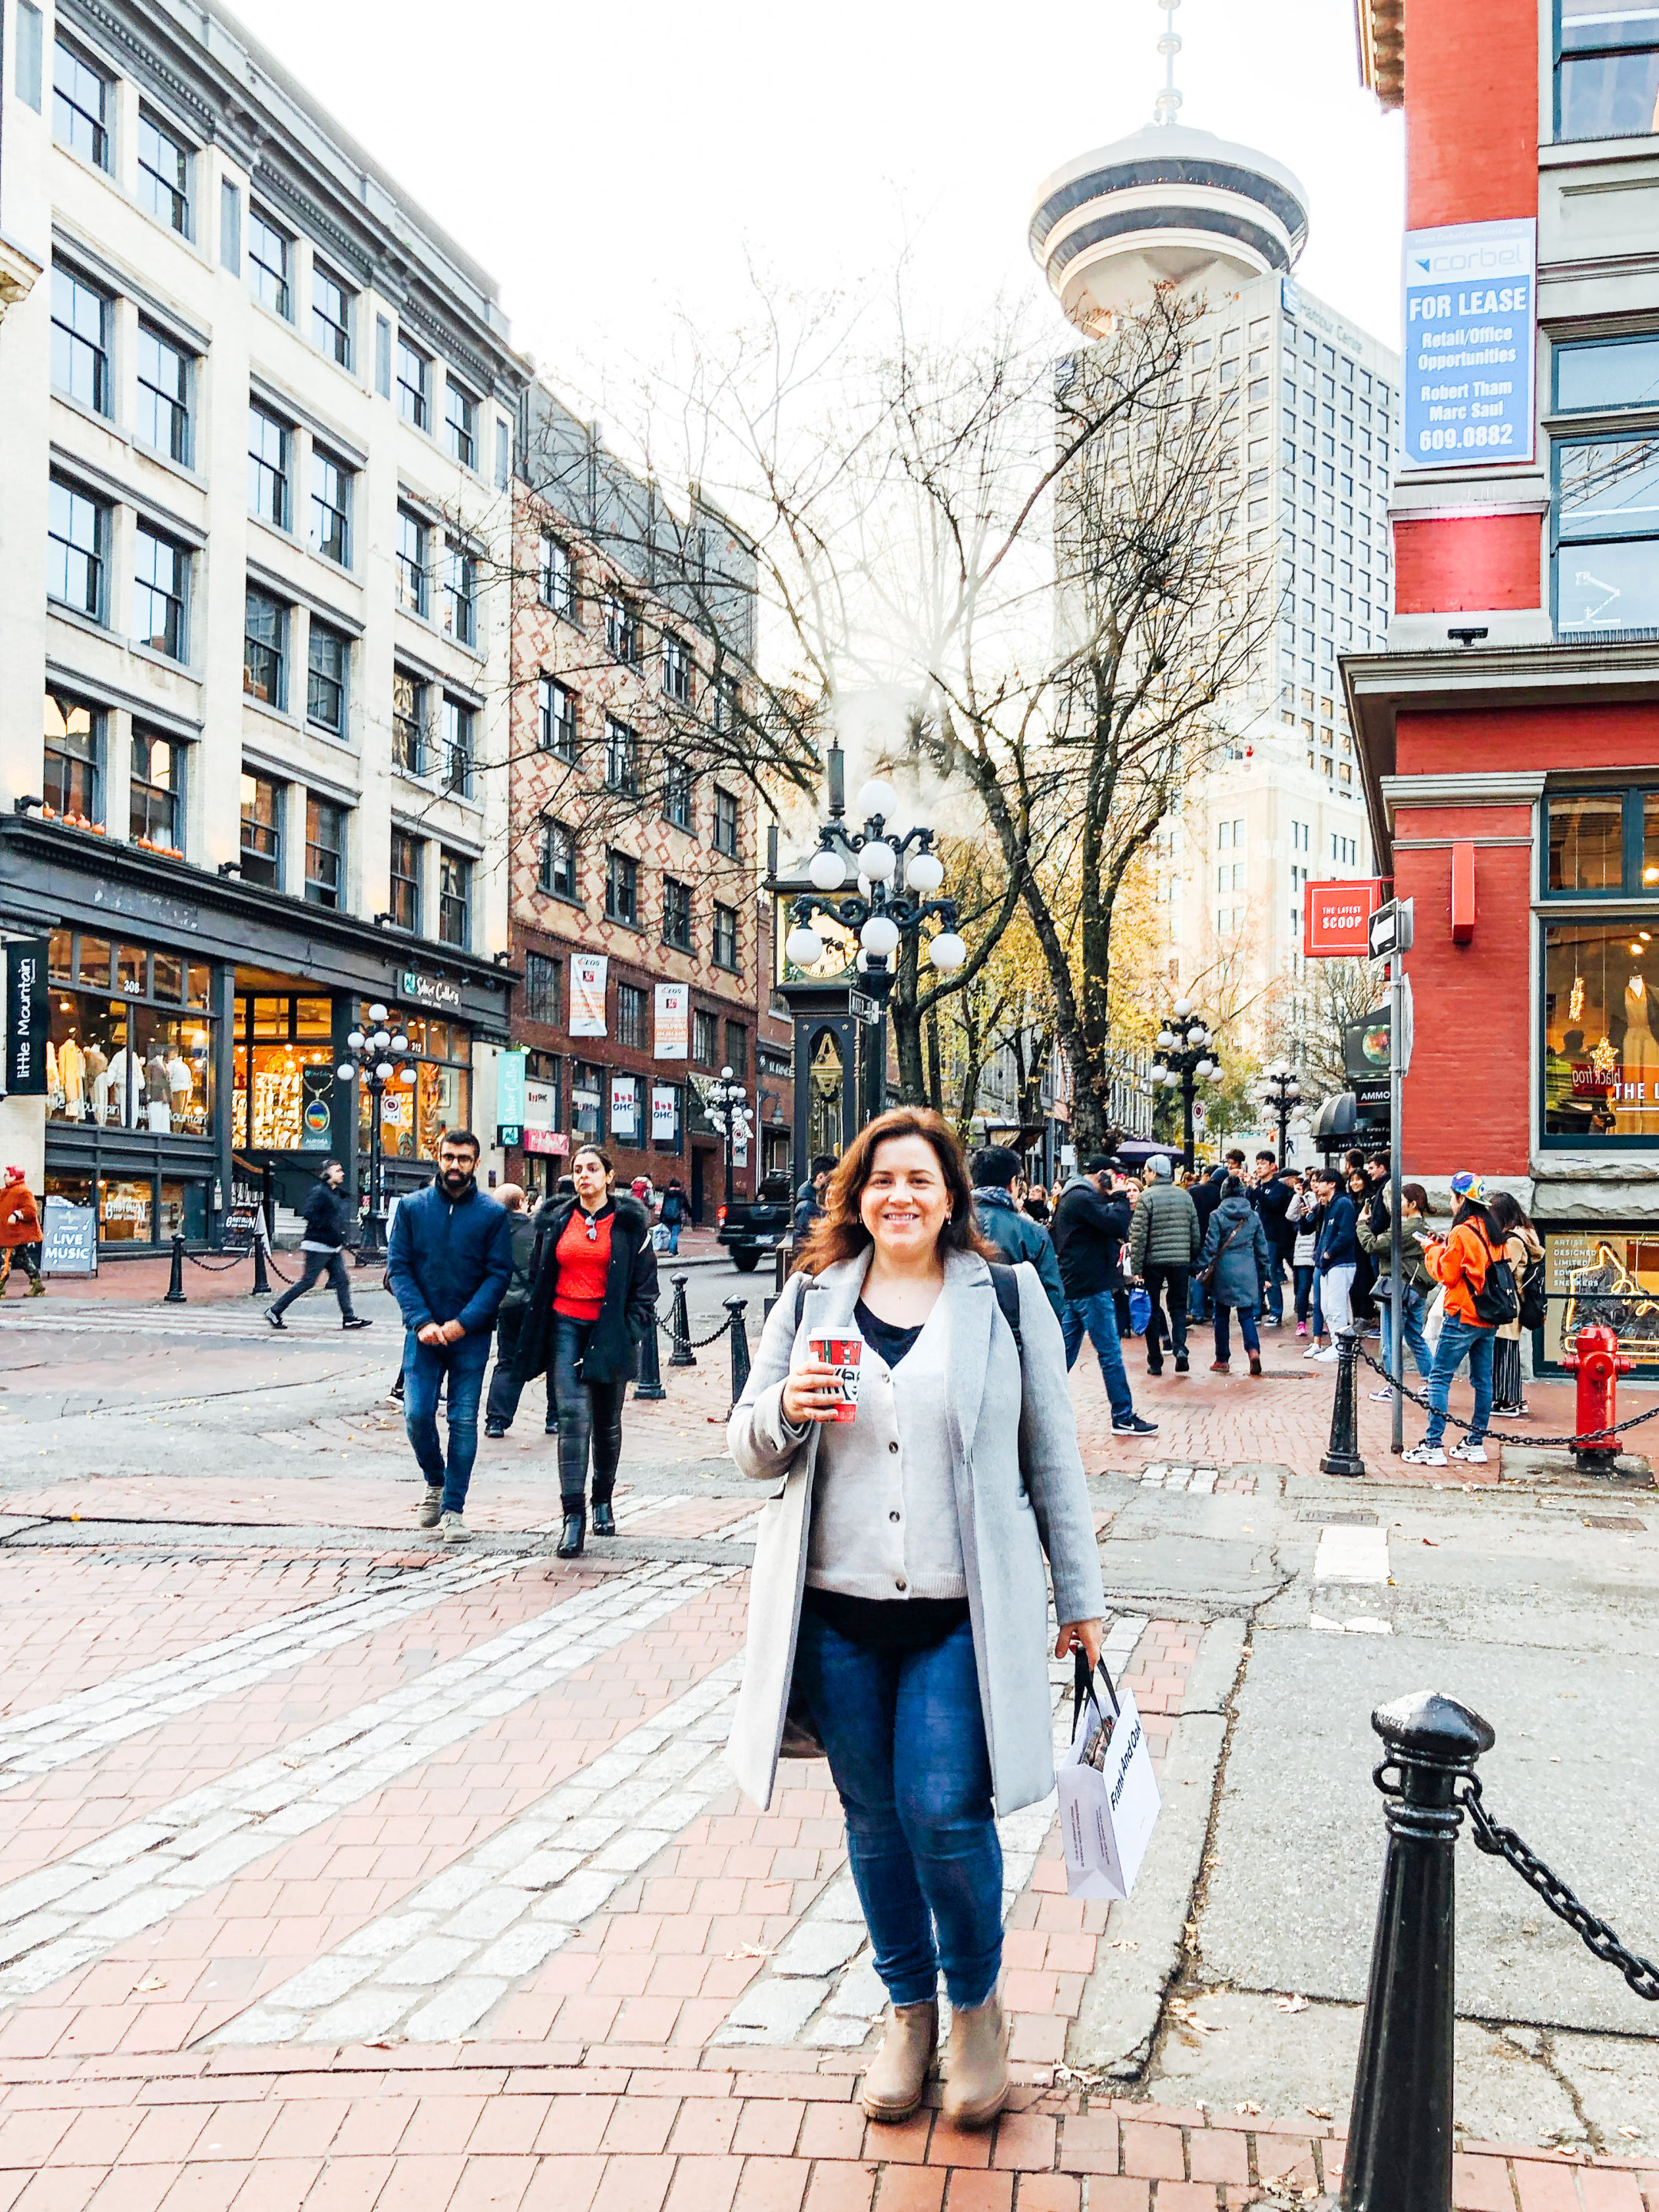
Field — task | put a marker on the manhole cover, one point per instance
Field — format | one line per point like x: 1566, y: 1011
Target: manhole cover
x: 1615, y: 1521
x: 1340, y: 1520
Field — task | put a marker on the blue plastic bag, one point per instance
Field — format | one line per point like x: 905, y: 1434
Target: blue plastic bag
x: 1140, y: 1311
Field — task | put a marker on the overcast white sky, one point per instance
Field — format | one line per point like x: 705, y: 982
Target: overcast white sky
x: 610, y: 163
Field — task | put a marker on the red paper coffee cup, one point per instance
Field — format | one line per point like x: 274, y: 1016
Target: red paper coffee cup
x: 843, y: 1353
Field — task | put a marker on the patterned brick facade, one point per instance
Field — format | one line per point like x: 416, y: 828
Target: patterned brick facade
x: 726, y: 964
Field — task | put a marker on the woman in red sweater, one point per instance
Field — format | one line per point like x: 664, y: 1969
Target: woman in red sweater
x: 593, y: 1296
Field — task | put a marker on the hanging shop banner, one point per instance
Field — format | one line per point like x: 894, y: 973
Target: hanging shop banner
x: 316, y: 1109
x: 625, y: 1107
x: 511, y: 1112
x: 68, y: 1238
x: 27, y: 1018
x: 555, y: 1142
x: 1336, y: 918
x: 673, y: 1021
x: 665, y: 1114
x: 1471, y: 324
x: 588, y: 971
x: 541, y: 1105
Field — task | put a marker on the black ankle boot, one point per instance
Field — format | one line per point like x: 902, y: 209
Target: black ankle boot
x: 569, y: 1546
x: 605, y: 1521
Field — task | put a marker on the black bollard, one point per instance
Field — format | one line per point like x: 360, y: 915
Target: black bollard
x: 1399, y: 2157
x: 649, y: 1384
x: 737, y: 1307
x: 1342, y: 1453
x: 175, y: 1295
x: 679, y: 1326
x: 261, y: 1273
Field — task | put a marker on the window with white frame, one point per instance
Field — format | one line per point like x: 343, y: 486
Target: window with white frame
x: 80, y: 320
x: 461, y: 423
x: 83, y: 102
x: 268, y: 450
x: 270, y: 265
x: 1605, y: 520
x: 557, y: 717
x: 408, y: 722
x: 164, y: 376
x: 412, y: 567
x: 1607, y: 70
x: 264, y: 649
x: 460, y: 602
x: 414, y: 384
x: 454, y: 898
x: 77, y: 549
x: 326, y: 839
x: 558, y: 868
x: 161, y: 580
x: 330, y: 315
x: 459, y: 721
x: 558, y: 577
x: 329, y: 664
x: 156, y: 805
x: 164, y: 161
x: 330, y: 507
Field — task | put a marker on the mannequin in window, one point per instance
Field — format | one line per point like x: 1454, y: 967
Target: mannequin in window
x: 97, y: 1078
x: 158, y: 1111
x: 126, y: 1087
x: 1639, y: 1055
x: 181, y: 1089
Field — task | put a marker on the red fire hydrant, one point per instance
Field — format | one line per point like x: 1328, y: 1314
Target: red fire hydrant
x: 1598, y: 1362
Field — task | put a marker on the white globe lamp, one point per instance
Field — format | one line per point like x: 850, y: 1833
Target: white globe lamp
x: 804, y: 947
x: 877, y: 860
x: 880, y: 936
x: 948, y: 951
x: 875, y: 797
x: 924, y: 872
x: 827, y: 870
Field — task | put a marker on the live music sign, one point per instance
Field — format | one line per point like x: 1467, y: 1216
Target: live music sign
x: 1336, y: 917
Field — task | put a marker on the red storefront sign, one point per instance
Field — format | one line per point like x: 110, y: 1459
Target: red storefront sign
x: 1335, y: 917
x: 557, y: 1141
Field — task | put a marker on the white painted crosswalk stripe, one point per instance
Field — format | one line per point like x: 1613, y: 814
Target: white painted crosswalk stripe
x: 79, y: 1727
x: 448, y: 1953
x: 77, y: 1909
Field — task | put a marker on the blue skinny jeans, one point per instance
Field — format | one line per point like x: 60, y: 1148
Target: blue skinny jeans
x: 905, y: 1738
x: 425, y: 1366
x: 1460, y: 1339
x: 1097, y: 1317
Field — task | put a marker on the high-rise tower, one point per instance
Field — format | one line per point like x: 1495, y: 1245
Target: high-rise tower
x: 1313, y: 403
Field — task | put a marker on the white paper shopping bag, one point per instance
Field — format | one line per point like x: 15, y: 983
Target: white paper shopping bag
x: 1109, y: 1798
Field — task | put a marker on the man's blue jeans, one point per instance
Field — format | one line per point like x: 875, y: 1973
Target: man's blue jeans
x: 1460, y: 1339
x: 1097, y: 1317
x: 1414, y: 1306
x: 425, y: 1366
x: 1275, y: 1282
x: 905, y: 1739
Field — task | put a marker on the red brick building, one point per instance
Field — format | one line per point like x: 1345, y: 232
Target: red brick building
x: 634, y: 852
x: 1510, y: 733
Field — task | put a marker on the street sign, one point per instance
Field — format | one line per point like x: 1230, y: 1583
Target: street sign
x: 862, y: 1008
x: 1391, y: 929
x: 1335, y: 916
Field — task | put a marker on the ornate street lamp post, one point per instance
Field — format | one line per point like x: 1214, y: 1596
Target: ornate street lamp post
x: 728, y: 1110
x: 1185, y: 1059
x: 1280, y: 1095
x: 895, y: 879
x: 377, y: 1059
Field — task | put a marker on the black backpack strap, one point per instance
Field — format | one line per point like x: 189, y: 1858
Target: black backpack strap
x: 1006, y: 1283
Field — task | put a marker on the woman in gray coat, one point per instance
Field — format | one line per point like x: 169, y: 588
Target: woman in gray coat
x: 1237, y: 1243
x: 898, y: 1608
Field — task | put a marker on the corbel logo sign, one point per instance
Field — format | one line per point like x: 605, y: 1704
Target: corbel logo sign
x: 428, y: 990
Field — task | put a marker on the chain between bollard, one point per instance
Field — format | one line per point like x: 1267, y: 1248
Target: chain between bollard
x: 1504, y: 1436
x: 694, y: 1343
x: 1501, y: 1843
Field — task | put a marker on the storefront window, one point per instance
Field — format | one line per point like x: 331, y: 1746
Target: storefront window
x: 1604, y: 1276
x: 127, y: 1212
x: 136, y: 1210
x: 413, y: 1116
x: 587, y: 1100
x: 118, y: 1062
x: 285, y: 1079
x: 1600, y: 1046
x: 1587, y: 842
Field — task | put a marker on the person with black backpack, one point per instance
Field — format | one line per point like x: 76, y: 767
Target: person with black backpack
x: 1526, y: 1259
x: 1472, y: 1266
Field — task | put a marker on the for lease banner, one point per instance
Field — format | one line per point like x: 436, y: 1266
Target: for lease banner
x: 673, y: 1021
x: 588, y: 972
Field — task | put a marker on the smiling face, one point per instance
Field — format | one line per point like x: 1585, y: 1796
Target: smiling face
x: 587, y: 1172
x: 906, y: 1202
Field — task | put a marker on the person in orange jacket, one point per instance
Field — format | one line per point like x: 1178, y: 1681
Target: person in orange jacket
x: 1460, y: 1263
x: 19, y: 1233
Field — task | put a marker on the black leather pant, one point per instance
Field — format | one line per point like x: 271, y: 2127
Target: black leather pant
x: 588, y: 1412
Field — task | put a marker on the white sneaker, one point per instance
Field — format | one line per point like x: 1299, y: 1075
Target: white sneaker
x: 1475, y: 1454
x: 452, y: 1530
x: 1329, y: 1353
x: 1313, y: 1352
x: 1383, y: 1397
x: 1423, y: 1455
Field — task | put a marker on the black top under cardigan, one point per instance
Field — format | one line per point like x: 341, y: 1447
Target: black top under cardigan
x: 630, y: 1293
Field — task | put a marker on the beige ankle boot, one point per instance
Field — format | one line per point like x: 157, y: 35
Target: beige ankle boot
x: 898, y: 2072
x: 976, y: 2065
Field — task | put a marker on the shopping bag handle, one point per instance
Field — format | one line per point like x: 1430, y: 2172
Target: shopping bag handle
x: 1083, y: 1685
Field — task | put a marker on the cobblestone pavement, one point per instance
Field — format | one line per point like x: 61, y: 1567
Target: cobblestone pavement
x: 339, y: 1871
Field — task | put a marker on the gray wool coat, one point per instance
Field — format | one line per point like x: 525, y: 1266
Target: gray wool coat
x: 1020, y: 1493
x: 1237, y: 1243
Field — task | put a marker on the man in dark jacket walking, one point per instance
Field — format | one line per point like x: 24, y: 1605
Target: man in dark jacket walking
x: 1016, y: 1236
x: 1091, y: 1227
x: 808, y: 1199
x: 506, y: 1383
x: 322, y: 1248
x: 1270, y: 1194
x: 450, y: 1264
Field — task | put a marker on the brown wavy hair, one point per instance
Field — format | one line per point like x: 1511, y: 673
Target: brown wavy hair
x: 841, y: 1235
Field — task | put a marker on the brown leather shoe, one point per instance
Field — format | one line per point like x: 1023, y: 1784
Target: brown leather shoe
x: 898, y: 2072
x: 976, y: 2065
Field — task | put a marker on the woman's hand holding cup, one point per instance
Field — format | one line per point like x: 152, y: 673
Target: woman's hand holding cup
x: 812, y: 1393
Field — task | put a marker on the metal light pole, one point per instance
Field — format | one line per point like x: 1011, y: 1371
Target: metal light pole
x: 1280, y: 1096
x: 1185, y: 1059
x: 727, y: 1107
x: 377, y: 1057
x: 896, y: 878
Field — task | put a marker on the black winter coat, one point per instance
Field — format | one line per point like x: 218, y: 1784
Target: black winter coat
x: 630, y: 1294
x: 327, y: 1214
